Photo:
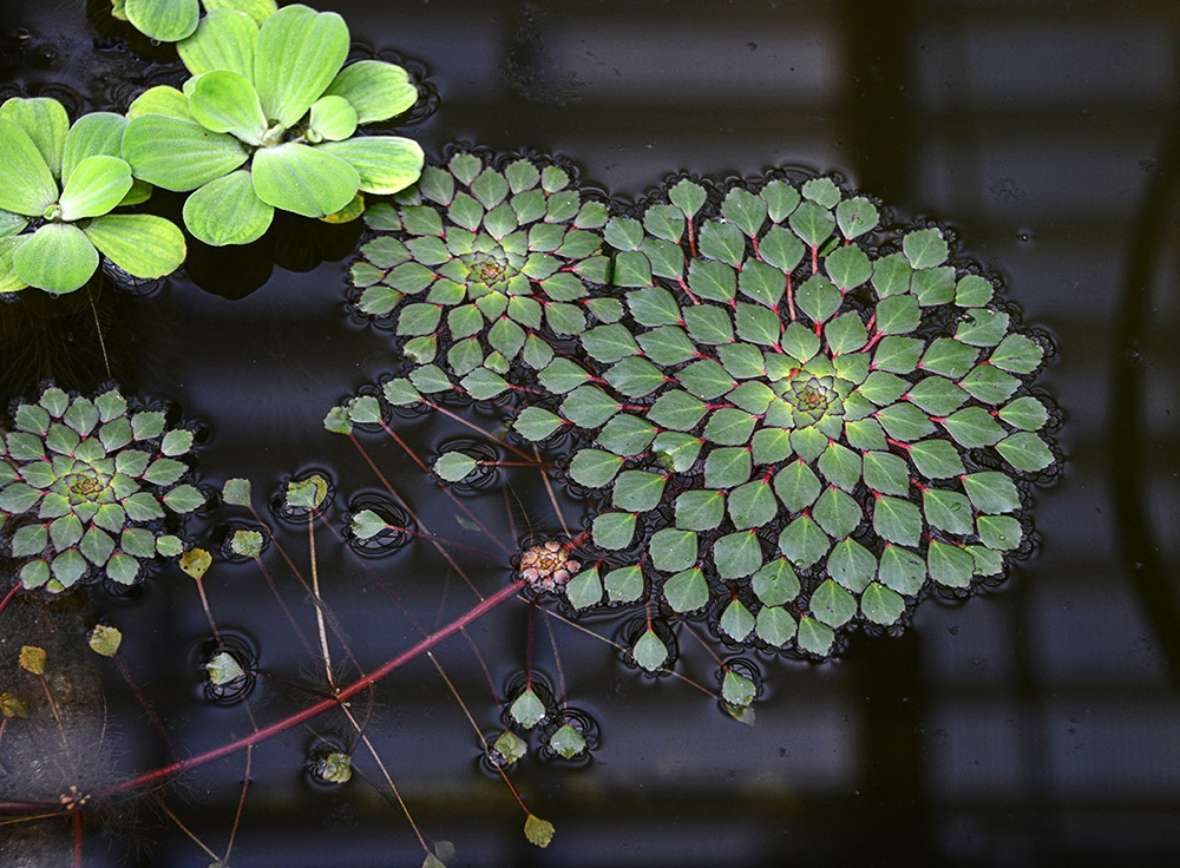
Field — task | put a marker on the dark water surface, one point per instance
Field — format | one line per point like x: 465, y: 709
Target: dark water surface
x: 1035, y: 724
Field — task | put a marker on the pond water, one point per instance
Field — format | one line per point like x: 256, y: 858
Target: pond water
x: 1032, y: 724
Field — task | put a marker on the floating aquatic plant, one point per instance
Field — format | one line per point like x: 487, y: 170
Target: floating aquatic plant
x: 476, y: 262
x: 795, y: 430
x: 59, y: 184
x: 86, y: 487
x: 826, y: 426
x: 174, y: 20
x: 268, y: 121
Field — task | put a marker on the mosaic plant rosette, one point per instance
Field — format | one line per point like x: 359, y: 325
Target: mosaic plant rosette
x: 797, y: 420
x: 87, y: 486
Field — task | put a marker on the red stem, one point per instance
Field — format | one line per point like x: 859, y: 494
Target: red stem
x: 365, y: 681
x: 8, y: 598
x: 78, y: 838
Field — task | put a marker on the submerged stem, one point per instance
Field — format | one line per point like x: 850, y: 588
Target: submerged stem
x: 506, y: 593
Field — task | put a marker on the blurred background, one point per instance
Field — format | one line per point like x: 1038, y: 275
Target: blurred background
x: 1037, y: 723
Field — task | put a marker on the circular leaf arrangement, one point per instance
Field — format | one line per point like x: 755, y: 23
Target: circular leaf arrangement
x: 798, y: 420
x: 86, y: 487
x: 474, y: 263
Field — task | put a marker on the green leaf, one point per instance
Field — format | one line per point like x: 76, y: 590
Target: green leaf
x: 856, y: 217
x: 454, y: 466
x: 299, y: 54
x: 594, y: 468
x: 57, y: 258
x: 626, y: 434
x: 527, y: 709
x: 737, y: 690
x: 797, y: 486
x: 936, y: 459
x: 775, y: 626
x: 26, y: 184
x: 999, y: 532
x: 1016, y: 353
x: 949, y: 565
x: 179, y: 155
x: 536, y: 424
x: 567, y: 742
x: 45, y: 121
x: 745, y: 210
x: 723, y: 242
x: 840, y: 466
x: 225, y: 40
x: 814, y: 637
x: 386, y: 164
x: 664, y: 221
x: 881, y: 605
x: 925, y: 248
x: 699, y: 509
x: 624, y: 585
x: 1025, y: 451
x: 638, y: 490
x: 376, y: 89
x: 688, y: 196
x: 304, y: 180
x: 143, y: 245
x: 165, y: 20
x: 938, y: 396
x: 736, y: 621
x: 236, y: 492
x: 752, y: 505
x: 891, y: 275
x: 897, y: 521
x: 673, y: 550
x: 973, y: 427
x: 852, y: 565
x: 737, y: 555
x: 989, y: 384
x: 1026, y: 413
x: 905, y: 422
x: 933, y: 286
x: 687, y: 591
x: 183, y: 499
x: 584, y: 589
x: 832, y: 605
x: 609, y: 343
x: 991, y: 492
x: 538, y: 832
x: 901, y: 570
x: 803, y: 542
x: 837, y: 513
x: 985, y: 328
x: 973, y: 291
x: 226, y: 102
x: 818, y: 298
x: 848, y: 266
x: 227, y: 211
x: 624, y: 233
x: 614, y: 530
x: 813, y: 223
x: 948, y: 511
x: 649, y: 651
x: 948, y: 357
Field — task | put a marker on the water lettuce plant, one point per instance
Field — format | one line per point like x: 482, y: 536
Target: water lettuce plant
x: 86, y: 486
x: 59, y: 184
x: 268, y: 120
x: 174, y: 20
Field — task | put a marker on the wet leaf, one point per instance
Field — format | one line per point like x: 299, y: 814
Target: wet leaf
x: 195, y: 563
x: 649, y: 651
x: 527, y: 709
x: 538, y: 832
x: 32, y: 659
x: 105, y: 640
x: 223, y: 668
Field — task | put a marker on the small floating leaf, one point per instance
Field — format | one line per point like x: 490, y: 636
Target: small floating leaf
x: 223, y: 668
x: 32, y: 659
x: 105, y: 640
x: 527, y: 709
x: 538, y: 832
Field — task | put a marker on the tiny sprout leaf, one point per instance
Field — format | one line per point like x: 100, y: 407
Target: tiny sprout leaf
x: 223, y: 668
x: 454, y: 466
x: 649, y: 651
x: 538, y: 832
x: 527, y: 709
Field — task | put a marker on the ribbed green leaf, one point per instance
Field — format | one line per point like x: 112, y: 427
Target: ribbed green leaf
x: 299, y: 54
x: 159, y: 100
x: 227, y: 211
x: 143, y: 245
x: 304, y: 180
x: 57, y: 258
x: 225, y: 40
x: 96, y: 186
x: 9, y: 280
x: 226, y: 102
x: 377, y: 90
x: 179, y: 155
x: 26, y: 184
x: 386, y: 164
x: 165, y: 20
x: 46, y: 123
x: 332, y: 119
